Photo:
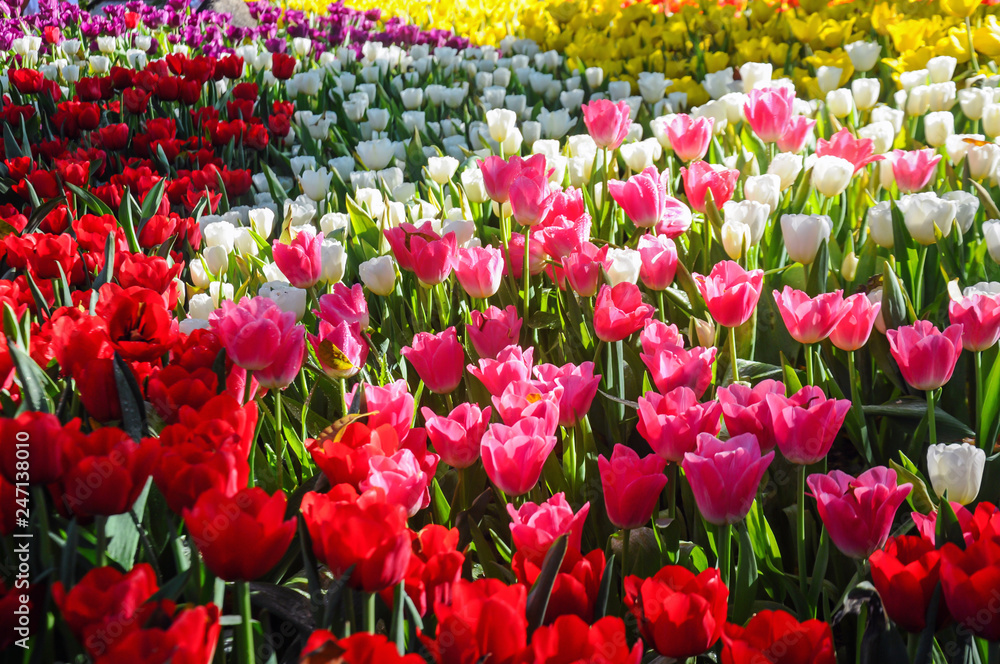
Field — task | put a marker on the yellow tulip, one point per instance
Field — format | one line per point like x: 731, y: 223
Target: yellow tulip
x: 986, y: 39
x: 960, y: 8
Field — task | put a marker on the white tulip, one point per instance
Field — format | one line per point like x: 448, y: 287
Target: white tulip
x: 938, y: 126
x: 595, y: 76
x: 262, y: 221
x: 531, y: 131
x: 787, y: 166
x: 501, y: 122
x: 216, y: 259
x: 918, y: 100
x: 957, y: 148
x: 881, y: 134
x: 378, y: 274
x: 974, y: 101
x: 475, y: 188
x: 718, y: 83
x: 375, y: 155
x: 555, y: 124
x: 286, y: 296
x: 754, y: 72
x: 334, y: 261
x: 735, y: 102
x: 982, y: 159
x: 625, y: 266
x: 639, y: 156
x: 991, y: 120
x: 912, y: 79
x: 966, y: 207
x: 803, y: 234
x: 864, y: 55
x: 956, y: 468
x: 747, y: 213
x: 941, y: 68
x: 840, y: 102
x: 991, y: 234
x: 828, y: 78
x: 735, y: 238
x: 923, y: 212
x: 831, y: 175
x: 880, y: 224
x: 765, y: 189
x: 619, y: 90
x: 865, y: 92
x: 653, y: 86
x: 942, y: 96
x: 891, y: 115
x: 412, y: 98
x: 316, y: 184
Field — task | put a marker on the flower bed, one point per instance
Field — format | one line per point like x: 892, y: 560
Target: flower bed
x: 339, y: 339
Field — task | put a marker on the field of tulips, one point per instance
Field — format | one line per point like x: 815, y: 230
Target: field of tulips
x: 501, y: 333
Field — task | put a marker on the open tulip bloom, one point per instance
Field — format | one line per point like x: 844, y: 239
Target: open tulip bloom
x: 569, y: 332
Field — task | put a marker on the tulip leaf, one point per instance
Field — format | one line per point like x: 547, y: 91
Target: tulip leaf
x: 151, y: 203
x: 39, y: 213
x: 538, y: 598
x: 920, y: 498
x: 819, y: 568
x: 107, y: 273
x: 93, y: 202
x: 989, y: 417
x: 36, y: 293
x: 278, y: 193
x: 12, y: 149
x: 32, y: 379
x: 992, y: 212
x: 123, y: 534
x: 947, y: 528
x: 604, y: 590
x: 819, y: 271
x: 925, y: 645
x: 224, y: 203
x: 172, y: 589
x: 949, y: 428
x: 130, y: 398
x: 311, y: 567
x: 746, y: 576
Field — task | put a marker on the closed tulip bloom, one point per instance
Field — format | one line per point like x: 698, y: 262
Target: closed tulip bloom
x: 970, y: 585
x: 378, y: 274
x: 906, y: 573
x: 607, y: 122
x: 768, y: 111
x: 737, y: 465
x: 519, y: 396
x: 922, y: 213
x: 787, y: 167
x: 402, y: 478
x: 680, y: 614
x: 631, y: 485
x: 671, y: 423
x: 583, y: 269
x: 701, y: 177
x: 341, y: 348
x: 806, y: 423
x: 689, y: 137
x: 619, y: 312
x: 913, y: 170
x: 659, y: 261
x: 513, y: 456
x: 288, y: 357
x: 493, y: 330
x: 957, y: 469
x: 501, y: 122
x: 831, y: 175
x: 438, y: 359
x: 735, y: 238
x: 853, y: 329
x: 880, y: 224
x: 745, y: 410
x: 810, y: 320
x: 579, y: 387
x: 510, y: 364
x: 643, y: 197
x: 858, y: 512
x: 803, y: 234
x: 479, y: 270
x: 484, y: 622
x: 731, y: 293
x: 240, y: 537
x: 979, y: 316
x: 776, y: 636
x: 457, y: 437
x: 498, y: 174
x: 251, y: 330
x: 765, y: 190
x: 796, y: 134
x: 925, y: 355
x: 991, y: 234
x: 302, y: 260
x: 960, y: 8
x: 433, y: 260
x: 534, y: 528
x: 530, y: 198
x: 656, y: 335
x: 672, y: 366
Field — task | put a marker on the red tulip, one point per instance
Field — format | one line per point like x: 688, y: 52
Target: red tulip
x: 858, y: 512
x: 607, y: 122
x: 434, y: 567
x: 858, y: 151
x: 810, y: 320
x: 368, y: 533
x: 671, y: 423
x: 323, y: 647
x: 906, y: 574
x: 806, y: 423
x: 925, y: 355
x: 619, y: 312
x: 31, y: 447
x: 659, y: 261
x: 745, y: 410
x: 643, y: 197
x: 493, y: 330
x: 970, y: 581
x: 681, y: 615
x: 579, y: 387
x: 631, y: 486
x: 457, y: 437
x: 485, y: 620
x: 302, y: 259
x: 513, y: 456
x: 777, y: 637
x: 979, y: 316
x: 736, y: 464
x: 853, y: 330
x: 768, y: 111
x: 535, y: 527
x: 689, y: 137
x: 701, y: 177
x: 731, y: 293
x: 189, y: 637
x: 344, y: 458
x: 576, y: 585
x: 570, y: 639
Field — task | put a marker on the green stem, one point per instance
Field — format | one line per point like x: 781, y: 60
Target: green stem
x: 305, y: 402
x: 244, y: 635
x: 800, y: 529
x: 370, y: 613
x: 625, y: 541
x: 856, y: 402
x: 279, y: 437
x: 527, y: 272
x: 247, y: 388
x: 918, y: 289
x: 978, y: 359
x: 706, y: 240
x: 732, y: 355
x: 972, y: 47
x: 604, y: 192
x: 725, y: 551
x: 660, y: 305
x: 41, y: 510
x: 931, y: 424
x: 672, y: 489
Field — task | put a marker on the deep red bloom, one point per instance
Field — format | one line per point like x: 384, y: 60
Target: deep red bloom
x: 435, y: 565
x: 570, y: 639
x: 970, y: 580
x: 776, y: 636
x: 905, y: 573
x: 323, y: 647
x: 41, y: 437
x: 576, y: 585
x: 190, y: 638
x: 193, y: 462
x: 139, y: 324
x: 485, y: 619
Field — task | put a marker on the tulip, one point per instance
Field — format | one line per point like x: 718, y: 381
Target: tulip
x: 923, y: 213
x: 967, y: 205
x: 513, y: 456
x: 659, y: 261
x: 619, y: 312
x: 701, y: 177
x: 991, y: 234
x: 671, y: 423
x: 787, y: 167
x: 979, y: 316
x: 765, y: 190
x: 242, y: 536
x: 346, y: 304
x: 864, y: 55
x: 806, y: 423
x: 957, y: 469
x: 858, y: 512
x: 750, y: 214
x: 510, y: 364
x: 831, y: 175
x: 189, y: 635
x: 301, y: 261
x: 457, y: 437
x: 745, y: 410
x: 840, y: 102
x: 252, y: 330
x: 479, y: 270
x: 970, y: 586
x: 493, y: 330
x: 938, y: 126
x: 631, y: 486
x: 736, y: 464
x: 776, y: 636
x: 730, y: 292
x: 378, y: 274
x: 438, y: 359
x: 623, y: 265
x: 656, y: 335
x: 485, y: 621
x: 803, y: 235
x: 583, y: 269
x: 865, y: 92
x: 689, y: 137
x: 843, y: 144
x: 520, y: 395
x: 572, y: 638
x: 768, y: 111
x: 501, y: 123
x: 880, y: 224
x: 913, y: 170
x: 607, y: 122
x: 680, y: 614
x: 360, y: 647
x: 579, y: 387
x: 925, y: 355
x: 534, y: 528
x: 43, y: 438
x: 906, y: 574
x: 315, y: 184
x: 852, y: 331
x: 796, y: 134
x: 673, y: 366
x: 402, y: 479
x: 643, y: 197
x: 530, y: 198
x: 810, y: 320
x: 287, y: 361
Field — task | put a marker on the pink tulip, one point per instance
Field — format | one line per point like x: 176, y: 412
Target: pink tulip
x: 979, y: 316
x: 251, y: 330
x: 853, y: 330
x: 810, y: 320
x: 858, y: 151
x: 519, y: 395
x: 422, y: 251
x: 631, y: 486
x: 806, y: 423
x: 534, y: 528
x: 511, y: 364
x: 607, y: 122
x: 745, y: 410
x: 566, y: 203
x: 737, y: 465
x: 689, y: 137
x: 858, y: 513
x: 513, y: 456
x: 457, y: 437
x: 493, y: 330
x: 643, y: 197
x: 288, y: 357
x: 530, y: 198
x: 438, y: 359
x: 700, y: 177
x: 403, y: 480
x: 345, y: 304
x: 672, y: 367
x: 498, y: 175
x: 563, y: 235
x: 659, y: 261
x: 619, y: 312
x: 583, y: 269
x: 671, y: 423
x: 796, y: 133
x: 656, y: 335
x: 925, y: 355
x: 349, y: 350
x: 390, y: 404
x: 768, y: 111
x: 676, y: 219
x: 536, y: 254
x: 913, y: 170
x: 302, y: 260
x: 479, y: 270
x: 730, y: 292
x: 579, y: 387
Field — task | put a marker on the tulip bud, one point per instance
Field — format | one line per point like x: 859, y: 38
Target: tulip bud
x: 922, y: 213
x: 735, y: 238
x: 882, y: 135
x: 941, y: 68
x: 828, y: 78
x: 918, y: 100
x: 831, y: 175
x: 751, y: 214
x: 442, y: 168
x: 865, y: 92
x: 787, y: 167
x: 880, y: 224
x: 624, y: 266
x: 991, y: 233
x: 412, y: 98
x: 938, y: 126
x: 840, y: 102
x: 864, y: 55
x: 849, y: 266
x: 991, y: 120
x: 957, y: 469
x: 705, y: 331
x: 595, y: 76
x: 803, y: 234
x: 764, y: 189
x: 974, y: 101
x: 378, y: 274
x: 753, y: 73
x: 501, y: 122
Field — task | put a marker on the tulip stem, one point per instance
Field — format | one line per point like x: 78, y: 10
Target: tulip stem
x: 41, y: 511
x: 625, y: 540
x: 244, y: 635
x: 972, y: 46
x: 527, y: 272
x: 672, y: 490
x: 983, y: 442
x: 800, y: 523
x: 732, y: 355
x: 706, y: 240
x: 725, y: 545
x: 370, y: 613
x: 279, y: 439
x: 662, y: 307
x: 856, y: 401
x: 931, y: 424
x: 809, y: 364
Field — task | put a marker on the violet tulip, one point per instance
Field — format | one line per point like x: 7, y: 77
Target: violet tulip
x: 631, y: 485
x: 438, y: 359
x: 735, y: 464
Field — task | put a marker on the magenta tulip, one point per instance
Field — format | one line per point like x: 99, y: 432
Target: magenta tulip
x: 493, y: 330
x: 456, y: 438
x: 731, y: 293
x: 438, y: 359
x: 673, y: 367
x: 513, y: 456
x: 913, y: 170
x: 768, y: 111
x: 700, y: 177
x: 619, y: 312
x: 810, y: 320
x: 535, y: 527
x: 925, y: 355
x: 689, y: 137
x: 252, y: 330
x: 579, y: 387
x: 632, y: 485
x: 745, y: 410
x: 583, y: 269
x: 530, y: 198
x: 479, y: 270
x: 607, y: 122
x: 643, y: 196
x: 796, y: 134
x: 659, y: 261
x: 345, y: 304
x: 737, y: 465
x: 346, y: 351
x: 511, y: 364
x: 853, y: 330
x: 979, y: 316
x: 671, y: 423
x: 302, y: 260
x: 806, y: 423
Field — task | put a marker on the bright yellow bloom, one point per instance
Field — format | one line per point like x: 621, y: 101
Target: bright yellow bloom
x: 960, y: 8
x: 987, y: 38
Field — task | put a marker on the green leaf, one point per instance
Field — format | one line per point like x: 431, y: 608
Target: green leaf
x: 819, y: 271
x: 949, y: 428
x: 278, y: 192
x: 33, y: 380
x: 151, y: 203
x: 920, y: 498
x: 108, y: 271
x: 93, y: 202
x: 130, y: 398
x: 224, y: 203
x: 11, y: 147
x: 746, y: 576
x: 893, y: 301
x: 39, y: 213
x: 989, y: 424
x: 604, y: 591
x: 127, y: 223
x: 538, y: 598
x: 122, y: 533
x: 36, y: 293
